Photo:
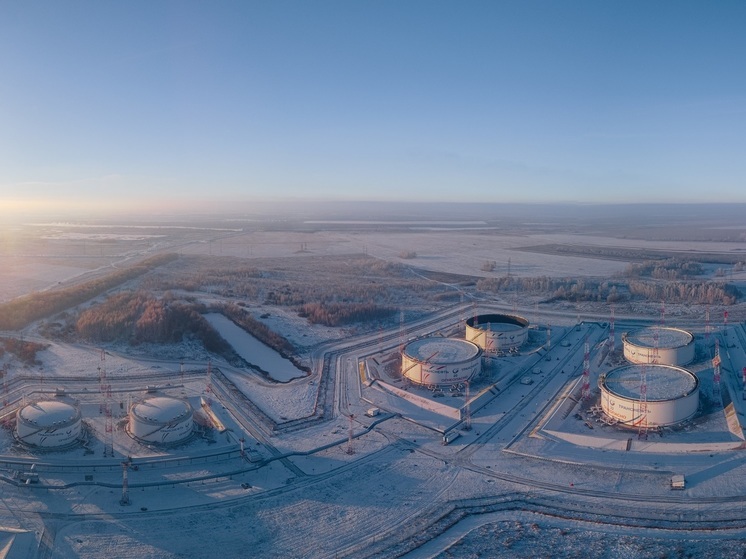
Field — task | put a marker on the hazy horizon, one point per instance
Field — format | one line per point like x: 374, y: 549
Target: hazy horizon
x: 184, y: 106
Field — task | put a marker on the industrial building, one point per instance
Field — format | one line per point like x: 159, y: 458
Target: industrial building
x: 497, y: 333
x: 441, y: 361
x: 658, y: 344
x: 649, y: 395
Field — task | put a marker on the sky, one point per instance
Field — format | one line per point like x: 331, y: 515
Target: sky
x: 107, y: 106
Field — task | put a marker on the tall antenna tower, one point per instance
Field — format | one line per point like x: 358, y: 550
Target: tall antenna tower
x: 612, y: 340
x: 716, y: 371
x: 350, y: 449
x: 105, y: 389
x: 642, y: 432
x: 586, y: 391
x: 401, y: 331
x: 208, y: 383
x: 549, y: 338
x: 4, y: 373
x: 467, y: 410
x: 125, y: 500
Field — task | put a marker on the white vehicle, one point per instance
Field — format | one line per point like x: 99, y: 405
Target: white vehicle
x: 678, y: 482
x: 372, y: 412
x: 527, y: 380
x: 450, y: 436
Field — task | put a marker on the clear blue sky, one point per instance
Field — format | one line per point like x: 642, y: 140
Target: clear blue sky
x: 104, y: 104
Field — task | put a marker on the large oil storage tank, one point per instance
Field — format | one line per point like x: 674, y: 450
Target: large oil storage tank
x: 433, y: 361
x: 48, y: 424
x: 672, y: 395
x: 497, y: 333
x: 673, y: 346
x: 161, y: 420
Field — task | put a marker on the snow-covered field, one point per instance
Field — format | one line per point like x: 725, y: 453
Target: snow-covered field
x: 521, y: 483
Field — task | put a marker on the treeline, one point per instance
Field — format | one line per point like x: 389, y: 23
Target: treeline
x: 227, y: 280
x: 138, y: 317
x: 338, y: 314
x: 576, y: 290
x: 257, y: 329
x: 669, y: 269
x: 19, y: 313
x: 710, y: 293
x: 23, y: 350
x: 299, y: 294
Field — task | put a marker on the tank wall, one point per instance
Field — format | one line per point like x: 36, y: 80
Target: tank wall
x: 48, y: 437
x: 677, y: 356
x: 433, y: 373
x: 161, y: 433
x: 659, y: 413
x: 493, y: 342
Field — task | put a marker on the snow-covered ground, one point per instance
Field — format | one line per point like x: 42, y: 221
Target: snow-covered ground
x: 520, y: 483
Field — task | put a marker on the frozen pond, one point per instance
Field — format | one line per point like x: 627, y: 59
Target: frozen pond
x: 254, y: 351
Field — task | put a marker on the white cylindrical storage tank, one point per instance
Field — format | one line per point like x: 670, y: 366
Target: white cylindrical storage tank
x: 433, y: 361
x: 497, y: 333
x: 48, y: 424
x: 674, y: 346
x: 161, y: 420
x: 672, y: 395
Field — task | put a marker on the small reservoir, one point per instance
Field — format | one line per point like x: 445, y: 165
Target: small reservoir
x: 253, y: 351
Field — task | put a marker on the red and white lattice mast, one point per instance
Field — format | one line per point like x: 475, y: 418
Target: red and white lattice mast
x: 716, y: 370
x: 612, y: 340
x: 125, y: 500
x: 208, y: 384
x: 401, y: 332
x: 586, y: 391
x: 642, y: 431
x: 350, y: 434
x: 467, y: 410
x: 5, y: 372
x: 105, y: 388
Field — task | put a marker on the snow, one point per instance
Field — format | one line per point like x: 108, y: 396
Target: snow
x: 254, y: 351
x: 524, y: 481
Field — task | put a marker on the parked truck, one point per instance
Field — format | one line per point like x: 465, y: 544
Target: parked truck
x: 450, y: 436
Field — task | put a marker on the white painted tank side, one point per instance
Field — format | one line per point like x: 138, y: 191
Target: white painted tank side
x: 49, y: 434
x: 440, y: 373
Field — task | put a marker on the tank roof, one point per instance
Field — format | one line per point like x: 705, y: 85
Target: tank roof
x: 47, y: 413
x: 437, y: 350
x: 667, y: 337
x: 161, y: 409
x: 663, y: 382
